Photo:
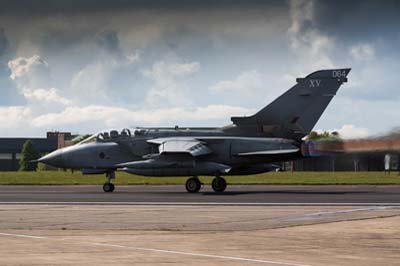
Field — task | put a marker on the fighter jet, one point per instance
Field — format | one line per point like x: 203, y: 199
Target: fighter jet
x: 250, y: 145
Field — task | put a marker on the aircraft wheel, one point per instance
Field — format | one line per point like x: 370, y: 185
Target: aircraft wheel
x: 219, y: 184
x: 193, y: 185
x: 108, y: 187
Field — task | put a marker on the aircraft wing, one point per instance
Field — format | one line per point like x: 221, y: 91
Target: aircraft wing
x: 269, y: 152
x: 181, y: 145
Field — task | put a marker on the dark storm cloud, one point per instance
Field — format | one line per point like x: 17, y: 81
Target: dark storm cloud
x: 4, y: 44
x: 55, y: 26
x: 98, y: 51
x: 56, y: 40
x: 347, y: 19
x: 109, y: 40
x: 183, y: 40
x: 45, y: 7
x: 358, y: 19
x: 9, y: 95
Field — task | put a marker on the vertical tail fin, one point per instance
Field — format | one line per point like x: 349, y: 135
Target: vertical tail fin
x: 295, y: 113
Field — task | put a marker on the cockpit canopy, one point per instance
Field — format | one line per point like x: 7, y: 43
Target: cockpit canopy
x: 108, y: 135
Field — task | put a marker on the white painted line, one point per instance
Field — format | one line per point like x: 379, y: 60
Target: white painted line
x: 323, y: 214
x: 38, y: 191
x: 24, y: 236
x: 199, y: 254
x: 199, y: 203
x: 166, y: 251
x: 372, y: 208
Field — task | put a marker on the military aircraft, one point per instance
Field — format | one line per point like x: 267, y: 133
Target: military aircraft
x: 249, y: 145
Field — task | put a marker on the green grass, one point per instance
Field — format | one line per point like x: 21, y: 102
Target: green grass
x: 281, y: 178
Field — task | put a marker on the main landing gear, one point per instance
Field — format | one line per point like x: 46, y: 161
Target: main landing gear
x: 218, y: 184
x: 108, y: 186
x: 193, y: 184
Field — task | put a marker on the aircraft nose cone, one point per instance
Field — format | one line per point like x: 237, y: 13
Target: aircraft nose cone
x: 54, y: 158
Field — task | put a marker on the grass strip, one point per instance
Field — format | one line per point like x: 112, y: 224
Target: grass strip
x: 273, y: 178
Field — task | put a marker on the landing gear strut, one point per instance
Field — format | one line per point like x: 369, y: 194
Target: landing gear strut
x: 108, y: 186
x: 193, y: 185
x: 218, y: 184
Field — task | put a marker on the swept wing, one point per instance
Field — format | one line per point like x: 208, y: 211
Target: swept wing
x: 181, y: 145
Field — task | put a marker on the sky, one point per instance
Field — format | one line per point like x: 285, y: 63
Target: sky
x: 84, y: 66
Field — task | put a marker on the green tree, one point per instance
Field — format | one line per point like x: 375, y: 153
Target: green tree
x: 335, y: 134
x: 45, y: 167
x: 28, y: 154
x: 313, y: 135
x: 324, y: 136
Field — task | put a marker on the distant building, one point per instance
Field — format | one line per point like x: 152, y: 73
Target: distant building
x: 350, y: 155
x: 10, y: 148
x: 372, y: 161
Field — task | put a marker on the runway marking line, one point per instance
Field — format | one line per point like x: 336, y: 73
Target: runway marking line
x: 24, y: 236
x: 164, y: 251
x: 198, y: 203
x: 371, y: 208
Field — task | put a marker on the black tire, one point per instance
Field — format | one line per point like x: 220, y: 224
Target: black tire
x: 108, y: 187
x: 193, y: 185
x: 219, y: 184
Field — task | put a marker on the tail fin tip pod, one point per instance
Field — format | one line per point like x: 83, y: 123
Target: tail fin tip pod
x: 295, y: 113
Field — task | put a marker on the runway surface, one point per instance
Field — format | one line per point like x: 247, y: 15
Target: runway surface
x: 164, y: 225
x: 191, y: 235
x: 171, y: 194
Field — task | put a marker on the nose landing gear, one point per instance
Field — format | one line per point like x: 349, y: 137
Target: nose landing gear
x: 108, y: 186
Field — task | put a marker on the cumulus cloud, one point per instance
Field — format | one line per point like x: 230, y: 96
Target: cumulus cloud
x: 120, y: 117
x: 96, y: 80
x: 26, y: 67
x: 362, y: 52
x: 246, y: 83
x: 90, y: 83
x: 133, y: 58
x: 29, y: 74
x: 88, y: 119
x: 136, y: 56
x: 168, y: 89
x: 307, y: 42
x: 21, y: 66
x: 46, y: 108
x: 349, y: 131
x: 162, y: 71
x: 352, y: 132
x: 45, y: 96
x: 14, y: 117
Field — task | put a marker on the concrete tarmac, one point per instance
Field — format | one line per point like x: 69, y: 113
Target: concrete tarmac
x: 257, y: 194
x: 198, y: 235
x: 164, y: 225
